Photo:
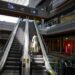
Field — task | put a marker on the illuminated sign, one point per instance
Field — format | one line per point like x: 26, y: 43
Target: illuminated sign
x: 68, y: 46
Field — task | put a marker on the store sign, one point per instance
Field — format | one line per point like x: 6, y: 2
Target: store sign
x: 56, y: 3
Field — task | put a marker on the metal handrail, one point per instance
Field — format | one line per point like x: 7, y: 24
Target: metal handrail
x: 48, y: 66
x: 5, y: 55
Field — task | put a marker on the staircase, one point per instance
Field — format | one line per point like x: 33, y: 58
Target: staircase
x: 38, y: 65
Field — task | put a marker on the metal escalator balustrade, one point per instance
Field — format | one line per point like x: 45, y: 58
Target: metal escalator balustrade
x: 6, y: 51
x: 45, y: 57
x: 37, y: 65
x: 53, y: 61
x: 3, y: 50
x: 26, y: 57
x: 13, y: 60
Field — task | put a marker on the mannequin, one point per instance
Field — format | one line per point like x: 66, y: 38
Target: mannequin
x: 35, y: 44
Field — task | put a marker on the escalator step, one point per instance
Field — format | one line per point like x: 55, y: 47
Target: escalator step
x: 38, y: 59
x: 11, y: 67
x: 39, y: 72
x: 15, y: 47
x: 33, y: 63
x: 14, y: 63
x: 15, y: 55
x: 13, y: 59
x: 15, y: 52
x: 38, y: 56
x: 38, y: 67
x: 10, y: 72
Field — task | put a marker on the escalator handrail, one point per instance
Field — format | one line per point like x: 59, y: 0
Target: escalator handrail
x: 48, y: 66
x: 44, y: 44
x: 5, y: 55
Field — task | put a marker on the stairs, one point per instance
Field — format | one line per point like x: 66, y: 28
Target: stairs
x: 38, y: 65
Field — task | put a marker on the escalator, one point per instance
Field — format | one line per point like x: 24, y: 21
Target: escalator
x: 38, y: 65
x: 13, y: 63
x: 37, y: 61
x: 32, y: 30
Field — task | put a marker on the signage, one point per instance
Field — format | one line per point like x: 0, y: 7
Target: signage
x: 68, y: 47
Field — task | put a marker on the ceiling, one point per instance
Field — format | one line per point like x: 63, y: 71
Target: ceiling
x: 30, y: 3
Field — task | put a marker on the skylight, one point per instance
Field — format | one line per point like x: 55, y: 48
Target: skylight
x: 21, y: 2
x: 8, y: 19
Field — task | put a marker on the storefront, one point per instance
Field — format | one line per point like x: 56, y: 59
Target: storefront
x: 63, y: 45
